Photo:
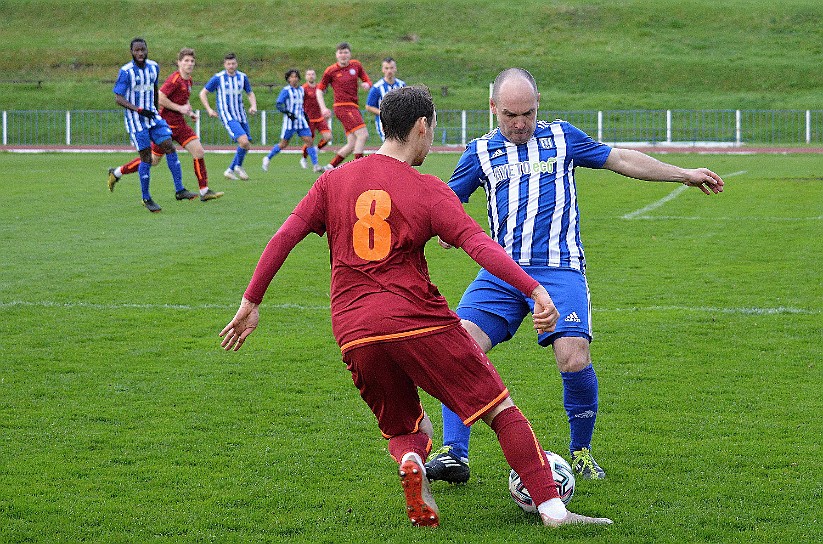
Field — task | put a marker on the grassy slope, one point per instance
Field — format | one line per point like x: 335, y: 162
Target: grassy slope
x: 585, y: 54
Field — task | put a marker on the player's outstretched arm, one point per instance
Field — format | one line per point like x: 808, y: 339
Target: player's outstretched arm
x: 241, y: 326
x: 634, y: 164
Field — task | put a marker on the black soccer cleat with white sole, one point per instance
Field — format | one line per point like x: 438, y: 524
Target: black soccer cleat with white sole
x: 444, y: 465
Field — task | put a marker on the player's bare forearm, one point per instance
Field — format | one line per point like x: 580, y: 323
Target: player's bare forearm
x: 638, y: 165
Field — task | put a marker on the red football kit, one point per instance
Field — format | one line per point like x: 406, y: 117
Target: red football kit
x: 396, y: 331
x: 344, y: 81
x: 178, y: 90
x: 312, y: 108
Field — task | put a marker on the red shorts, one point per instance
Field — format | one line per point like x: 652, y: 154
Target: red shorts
x: 319, y: 125
x: 447, y: 364
x: 350, y: 117
x: 182, y: 134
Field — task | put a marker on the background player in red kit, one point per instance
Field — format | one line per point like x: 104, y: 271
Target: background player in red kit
x: 317, y: 123
x: 342, y: 76
x: 174, y: 104
x: 395, y: 330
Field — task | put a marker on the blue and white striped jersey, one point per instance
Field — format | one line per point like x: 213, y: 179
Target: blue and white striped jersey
x: 290, y: 100
x: 137, y: 85
x: 229, y: 95
x: 375, y: 97
x: 530, y: 190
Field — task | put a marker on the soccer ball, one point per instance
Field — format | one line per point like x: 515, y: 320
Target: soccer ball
x: 563, y: 478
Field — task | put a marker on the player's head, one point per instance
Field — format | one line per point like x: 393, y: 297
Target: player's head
x: 407, y: 109
x: 292, y: 77
x: 311, y: 76
x: 389, y: 68
x: 185, y: 61
x: 139, y: 50
x: 230, y: 63
x: 343, y: 53
x: 515, y: 101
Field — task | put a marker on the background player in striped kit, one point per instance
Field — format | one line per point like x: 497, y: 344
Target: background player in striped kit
x: 342, y: 77
x: 317, y: 123
x: 135, y: 91
x: 527, y: 169
x: 229, y: 86
x: 290, y: 104
x: 379, y: 90
x: 173, y: 99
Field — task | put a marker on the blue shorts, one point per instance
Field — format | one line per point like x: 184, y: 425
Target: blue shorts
x: 499, y: 309
x: 158, y: 134
x: 237, y: 129
x: 287, y: 133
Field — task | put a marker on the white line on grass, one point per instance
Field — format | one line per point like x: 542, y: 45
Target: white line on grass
x: 131, y: 306
x: 197, y: 307
x: 638, y: 214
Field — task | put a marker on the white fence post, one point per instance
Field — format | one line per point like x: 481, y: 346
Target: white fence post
x: 68, y: 127
x: 808, y: 126
x: 738, y: 128
x: 263, y: 127
x: 600, y: 126
x: 463, y: 127
x: 197, y: 125
x: 668, y: 126
x: 5, y: 128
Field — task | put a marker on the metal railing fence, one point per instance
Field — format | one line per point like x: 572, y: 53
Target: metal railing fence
x: 454, y: 127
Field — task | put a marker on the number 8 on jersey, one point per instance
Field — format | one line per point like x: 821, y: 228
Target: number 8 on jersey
x: 371, y: 234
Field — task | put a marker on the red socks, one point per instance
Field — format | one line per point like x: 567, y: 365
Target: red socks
x: 525, y: 454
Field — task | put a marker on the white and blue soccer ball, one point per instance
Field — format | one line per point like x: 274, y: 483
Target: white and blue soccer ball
x: 563, y: 478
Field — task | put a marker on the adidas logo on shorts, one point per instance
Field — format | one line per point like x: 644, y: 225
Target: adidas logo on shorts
x: 572, y: 318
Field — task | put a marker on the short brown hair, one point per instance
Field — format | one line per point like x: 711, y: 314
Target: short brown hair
x: 401, y: 108
x: 185, y: 52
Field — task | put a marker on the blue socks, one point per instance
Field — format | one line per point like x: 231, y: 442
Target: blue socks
x: 144, y: 171
x: 580, y: 401
x: 455, y: 434
x: 274, y: 151
x: 238, y: 158
x: 176, y: 171
x: 312, y: 153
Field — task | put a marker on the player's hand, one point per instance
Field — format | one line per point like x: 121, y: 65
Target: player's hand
x: 186, y: 110
x: 212, y: 113
x: 444, y: 245
x: 545, y: 315
x: 366, y: 86
x: 291, y: 116
x: 145, y: 113
x: 243, y: 324
x: 326, y: 112
x: 252, y: 110
x: 705, y: 180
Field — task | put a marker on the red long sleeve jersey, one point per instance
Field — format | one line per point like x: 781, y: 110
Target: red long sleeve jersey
x: 378, y: 213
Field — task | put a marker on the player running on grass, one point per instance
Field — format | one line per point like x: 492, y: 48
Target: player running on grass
x: 290, y: 104
x: 395, y: 330
x: 135, y: 91
x: 527, y: 170
x: 174, y: 105
x: 229, y: 86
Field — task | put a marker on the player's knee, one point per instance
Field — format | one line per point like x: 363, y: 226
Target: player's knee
x: 489, y: 416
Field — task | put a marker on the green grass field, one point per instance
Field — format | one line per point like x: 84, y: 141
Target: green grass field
x: 121, y: 420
